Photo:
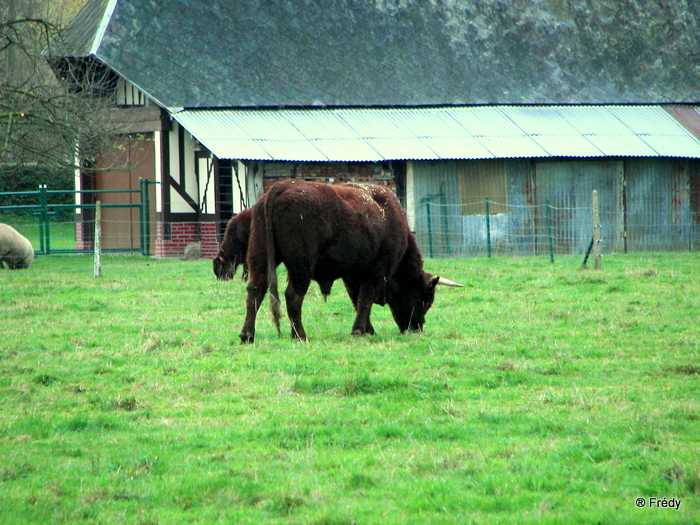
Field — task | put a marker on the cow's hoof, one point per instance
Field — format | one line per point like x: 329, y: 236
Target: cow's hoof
x: 247, y: 338
x: 296, y: 336
x: 367, y: 331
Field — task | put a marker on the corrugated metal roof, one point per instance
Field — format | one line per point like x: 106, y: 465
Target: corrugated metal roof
x: 563, y: 145
x: 351, y: 150
x: 622, y: 146
x: 373, y: 135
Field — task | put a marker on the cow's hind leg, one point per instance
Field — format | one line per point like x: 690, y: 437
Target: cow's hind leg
x: 294, y: 294
x: 257, y: 286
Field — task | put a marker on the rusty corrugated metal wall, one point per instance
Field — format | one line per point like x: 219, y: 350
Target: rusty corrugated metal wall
x: 456, y: 227
x: 436, y: 192
x: 658, y: 205
x: 650, y: 204
x: 568, y: 186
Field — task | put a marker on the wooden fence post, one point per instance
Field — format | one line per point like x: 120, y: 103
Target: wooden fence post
x: 98, y: 240
x: 596, y: 231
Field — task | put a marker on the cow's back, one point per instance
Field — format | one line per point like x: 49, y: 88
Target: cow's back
x: 337, y: 230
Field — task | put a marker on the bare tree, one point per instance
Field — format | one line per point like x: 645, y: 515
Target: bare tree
x: 43, y: 118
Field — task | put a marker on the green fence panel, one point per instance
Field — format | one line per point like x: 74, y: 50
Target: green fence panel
x: 41, y: 223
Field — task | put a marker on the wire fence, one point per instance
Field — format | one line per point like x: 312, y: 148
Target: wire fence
x: 478, y: 229
x: 473, y: 230
x: 63, y: 236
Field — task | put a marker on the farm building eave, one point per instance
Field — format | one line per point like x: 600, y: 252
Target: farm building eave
x: 445, y: 133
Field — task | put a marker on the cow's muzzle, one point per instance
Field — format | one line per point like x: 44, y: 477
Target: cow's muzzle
x: 223, y: 268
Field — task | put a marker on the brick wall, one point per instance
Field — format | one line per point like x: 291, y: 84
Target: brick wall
x: 80, y: 242
x: 210, y: 246
x: 184, y: 233
x: 329, y: 172
x: 181, y: 234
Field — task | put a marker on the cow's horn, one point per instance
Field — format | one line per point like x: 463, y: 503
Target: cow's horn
x: 447, y: 282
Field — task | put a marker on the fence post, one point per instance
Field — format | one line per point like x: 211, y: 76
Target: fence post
x: 430, y: 229
x: 445, y: 224
x: 147, y: 219
x: 548, y: 212
x: 40, y: 214
x: 141, y: 232
x: 44, y: 229
x: 144, y: 218
x: 596, y: 231
x: 488, y: 227
x: 97, y: 245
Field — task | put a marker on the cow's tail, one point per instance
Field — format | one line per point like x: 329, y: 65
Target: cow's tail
x: 272, y: 265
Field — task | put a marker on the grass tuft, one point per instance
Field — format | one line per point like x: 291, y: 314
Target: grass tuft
x: 45, y: 379
x: 689, y: 369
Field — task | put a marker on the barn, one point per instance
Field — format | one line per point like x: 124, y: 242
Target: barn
x: 492, y: 120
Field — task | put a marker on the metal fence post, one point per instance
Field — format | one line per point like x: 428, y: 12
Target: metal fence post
x: 548, y: 212
x: 147, y: 218
x: 142, y: 231
x: 488, y: 227
x: 430, y: 229
x: 39, y: 214
x: 445, y: 224
x: 144, y: 218
x: 44, y: 228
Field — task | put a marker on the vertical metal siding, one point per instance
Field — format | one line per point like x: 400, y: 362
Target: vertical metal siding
x: 433, y: 178
x: 658, y: 205
x: 694, y: 203
x: 656, y: 208
x: 519, y: 180
x: 568, y: 186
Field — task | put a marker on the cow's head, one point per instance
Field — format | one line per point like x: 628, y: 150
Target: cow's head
x: 225, y: 268
x: 233, y: 249
x: 409, y: 304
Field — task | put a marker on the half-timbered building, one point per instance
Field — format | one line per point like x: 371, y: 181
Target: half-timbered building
x: 447, y: 102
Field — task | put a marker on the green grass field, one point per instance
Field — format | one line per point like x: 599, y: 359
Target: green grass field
x: 538, y: 393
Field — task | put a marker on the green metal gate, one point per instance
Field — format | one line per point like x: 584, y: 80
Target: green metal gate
x: 52, y: 229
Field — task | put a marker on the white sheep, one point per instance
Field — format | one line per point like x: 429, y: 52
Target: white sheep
x: 15, y: 249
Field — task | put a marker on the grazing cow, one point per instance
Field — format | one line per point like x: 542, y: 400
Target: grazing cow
x: 233, y: 250
x: 326, y: 232
x: 15, y: 249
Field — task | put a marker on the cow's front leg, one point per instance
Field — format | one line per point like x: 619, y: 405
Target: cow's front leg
x: 294, y: 295
x: 368, y: 294
x: 354, y: 293
x: 257, y: 286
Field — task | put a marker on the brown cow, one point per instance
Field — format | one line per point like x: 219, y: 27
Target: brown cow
x: 323, y: 233
x: 233, y: 250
